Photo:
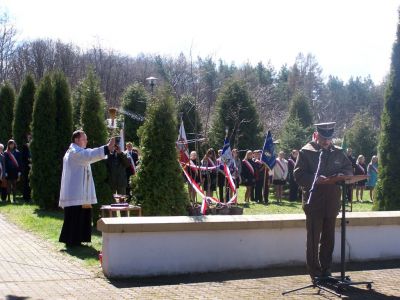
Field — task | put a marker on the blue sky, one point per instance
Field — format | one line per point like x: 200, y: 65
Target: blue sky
x: 348, y: 38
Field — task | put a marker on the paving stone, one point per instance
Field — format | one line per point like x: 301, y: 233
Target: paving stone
x: 30, y: 268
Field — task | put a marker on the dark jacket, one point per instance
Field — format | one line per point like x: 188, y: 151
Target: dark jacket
x: 11, y: 169
x: 325, y: 198
x: 117, y: 164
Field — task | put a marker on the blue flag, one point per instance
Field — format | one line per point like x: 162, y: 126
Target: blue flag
x: 226, y: 156
x: 268, y: 155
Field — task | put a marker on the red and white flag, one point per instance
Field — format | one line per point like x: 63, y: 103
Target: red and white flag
x: 182, y: 145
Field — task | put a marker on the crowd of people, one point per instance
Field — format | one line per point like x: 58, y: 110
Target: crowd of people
x: 251, y: 173
x: 361, y: 168
x: 14, y: 169
x: 15, y: 165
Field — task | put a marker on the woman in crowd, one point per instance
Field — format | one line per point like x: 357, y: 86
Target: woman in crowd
x: 194, y: 173
x: 12, y: 168
x: 238, y: 169
x: 248, y: 175
x: 209, y: 175
x: 372, y: 172
x: 280, y: 175
x: 360, y: 169
x: 293, y: 186
x: 3, y: 181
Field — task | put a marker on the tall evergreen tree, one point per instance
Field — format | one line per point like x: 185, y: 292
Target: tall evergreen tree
x: 134, y: 102
x: 236, y: 112
x: 93, y: 122
x: 300, y: 108
x: 43, y: 147
x: 388, y: 193
x: 77, y: 105
x: 191, y: 119
x: 159, y: 184
x: 362, y: 136
x: 7, y: 99
x: 63, y: 130
x: 23, y: 111
x: 294, y: 135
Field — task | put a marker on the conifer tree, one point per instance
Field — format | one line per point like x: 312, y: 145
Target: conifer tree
x: 7, y: 99
x: 77, y: 105
x: 361, y: 136
x: 236, y: 112
x: 388, y: 192
x: 43, y: 147
x: 23, y: 111
x: 93, y: 122
x: 191, y: 119
x: 134, y: 102
x: 300, y: 108
x: 63, y: 116
x: 159, y: 184
x: 294, y: 135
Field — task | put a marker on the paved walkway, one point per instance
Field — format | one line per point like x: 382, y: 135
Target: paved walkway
x: 31, y: 268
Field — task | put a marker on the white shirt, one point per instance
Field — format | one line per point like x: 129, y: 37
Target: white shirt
x: 77, y: 185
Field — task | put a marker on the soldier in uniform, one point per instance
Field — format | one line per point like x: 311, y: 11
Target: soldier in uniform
x: 316, y: 162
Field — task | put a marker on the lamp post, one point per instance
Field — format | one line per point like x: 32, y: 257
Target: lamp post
x: 152, y: 81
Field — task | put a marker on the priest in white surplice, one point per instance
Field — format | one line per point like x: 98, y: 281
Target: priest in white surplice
x: 77, y: 192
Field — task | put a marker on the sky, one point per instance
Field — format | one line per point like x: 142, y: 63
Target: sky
x: 347, y: 37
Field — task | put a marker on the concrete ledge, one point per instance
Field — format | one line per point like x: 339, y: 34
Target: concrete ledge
x: 242, y: 222
x: 148, y: 246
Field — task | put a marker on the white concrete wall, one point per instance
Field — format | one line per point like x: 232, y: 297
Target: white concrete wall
x: 174, y: 252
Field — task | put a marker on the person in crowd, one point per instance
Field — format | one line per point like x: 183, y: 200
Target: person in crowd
x: 238, y: 169
x: 117, y: 163
x: 321, y: 202
x: 77, y: 194
x: 194, y: 173
x: 372, y: 172
x: 3, y: 181
x: 12, y: 161
x: 280, y: 175
x: 131, y: 169
x: 209, y: 175
x: 360, y: 169
x: 293, y: 186
x: 26, y: 162
x: 136, y: 158
x: 350, y: 187
x: 261, y: 170
x: 220, y: 177
x: 248, y: 175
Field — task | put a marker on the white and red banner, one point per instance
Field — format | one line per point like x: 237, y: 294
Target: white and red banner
x: 182, y: 145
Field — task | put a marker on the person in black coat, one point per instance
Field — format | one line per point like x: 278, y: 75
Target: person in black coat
x: 26, y: 162
x: 12, y: 163
x: 3, y: 181
x: 293, y: 186
x: 248, y: 175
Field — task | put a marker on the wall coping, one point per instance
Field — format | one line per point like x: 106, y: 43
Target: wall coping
x: 235, y: 222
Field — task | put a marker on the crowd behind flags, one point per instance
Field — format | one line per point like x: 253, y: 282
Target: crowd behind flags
x: 227, y: 165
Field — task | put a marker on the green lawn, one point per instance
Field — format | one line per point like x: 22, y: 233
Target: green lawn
x: 47, y: 224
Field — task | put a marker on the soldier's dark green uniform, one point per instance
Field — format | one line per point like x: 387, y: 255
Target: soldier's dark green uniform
x: 324, y: 205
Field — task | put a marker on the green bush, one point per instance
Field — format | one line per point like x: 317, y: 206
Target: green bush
x: 159, y: 184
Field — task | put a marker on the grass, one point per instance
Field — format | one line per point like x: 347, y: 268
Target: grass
x: 47, y: 224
